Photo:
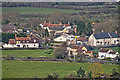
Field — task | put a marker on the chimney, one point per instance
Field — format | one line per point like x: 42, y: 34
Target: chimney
x: 75, y: 29
x: 44, y: 22
x: 60, y: 23
x: 68, y: 23
x: 116, y: 32
x: 102, y: 30
x: 93, y: 31
x: 110, y: 49
x: 49, y: 22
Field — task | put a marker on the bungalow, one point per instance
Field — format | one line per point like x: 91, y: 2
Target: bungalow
x: 22, y: 42
x: 107, y: 53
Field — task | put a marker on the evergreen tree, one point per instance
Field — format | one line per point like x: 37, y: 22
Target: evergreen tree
x: 80, y: 72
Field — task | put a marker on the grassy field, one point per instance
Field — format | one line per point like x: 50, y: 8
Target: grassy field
x: 31, y: 10
x: 28, y: 53
x: 30, y: 69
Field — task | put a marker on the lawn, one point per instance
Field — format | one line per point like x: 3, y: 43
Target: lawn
x: 31, y: 10
x: 28, y: 53
x: 30, y: 69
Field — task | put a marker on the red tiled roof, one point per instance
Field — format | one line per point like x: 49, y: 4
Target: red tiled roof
x: 75, y: 47
x: 11, y: 41
x: 88, y: 51
x: 112, y: 52
x: 104, y: 50
x: 22, y: 38
x: 81, y: 39
x: 54, y: 25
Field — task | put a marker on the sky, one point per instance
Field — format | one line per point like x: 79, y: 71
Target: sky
x: 59, y: 0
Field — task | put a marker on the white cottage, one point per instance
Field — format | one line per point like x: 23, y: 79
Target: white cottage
x: 107, y: 53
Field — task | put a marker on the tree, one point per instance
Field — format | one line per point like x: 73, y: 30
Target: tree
x: 80, y: 72
x: 60, y: 52
x: 88, y: 75
x: 52, y: 77
x: 46, y: 33
x: 97, y: 70
x: 80, y: 57
x: 114, y: 73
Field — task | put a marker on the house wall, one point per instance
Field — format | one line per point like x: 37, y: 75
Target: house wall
x: 106, y: 55
x: 60, y: 39
x: 29, y: 45
x: 100, y: 54
x: 84, y: 49
x: 9, y: 46
x: 92, y: 40
x: 114, y: 40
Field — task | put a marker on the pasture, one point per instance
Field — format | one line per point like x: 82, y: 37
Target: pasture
x: 28, y: 53
x: 31, y: 10
x: 30, y: 69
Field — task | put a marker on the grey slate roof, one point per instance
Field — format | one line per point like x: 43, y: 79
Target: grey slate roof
x: 102, y: 35
x: 114, y: 35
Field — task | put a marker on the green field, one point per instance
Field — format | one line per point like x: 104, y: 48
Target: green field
x: 31, y: 10
x: 28, y: 53
x: 30, y: 69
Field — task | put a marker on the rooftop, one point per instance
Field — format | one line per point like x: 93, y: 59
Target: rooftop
x: 104, y: 50
x: 22, y: 38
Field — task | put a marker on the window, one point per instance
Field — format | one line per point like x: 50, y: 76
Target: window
x: 27, y: 41
x: 34, y: 44
x: 23, y: 41
x: 34, y: 40
x: 19, y: 41
x: 97, y: 41
x: 114, y: 41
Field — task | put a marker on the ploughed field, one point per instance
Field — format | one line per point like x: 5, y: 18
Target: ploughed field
x: 30, y: 69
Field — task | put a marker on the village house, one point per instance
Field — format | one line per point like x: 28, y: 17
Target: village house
x: 57, y: 28
x: 88, y: 53
x: 104, y: 38
x: 75, y: 49
x: 23, y: 42
x: 107, y: 53
x: 66, y: 37
x: 81, y: 41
